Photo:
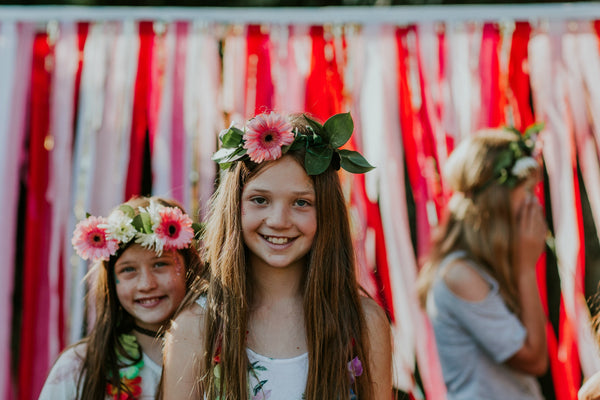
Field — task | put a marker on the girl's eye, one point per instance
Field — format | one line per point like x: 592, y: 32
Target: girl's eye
x: 161, y: 264
x: 258, y: 200
x: 126, y: 270
x: 302, y: 203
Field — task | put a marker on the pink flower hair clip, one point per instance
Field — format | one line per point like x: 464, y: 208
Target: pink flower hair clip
x: 155, y: 227
x: 268, y: 136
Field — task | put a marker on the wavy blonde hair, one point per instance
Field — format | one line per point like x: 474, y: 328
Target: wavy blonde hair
x: 333, y: 315
x: 478, y: 219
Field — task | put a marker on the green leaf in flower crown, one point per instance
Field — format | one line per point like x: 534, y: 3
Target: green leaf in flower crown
x: 353, y: 161
x: 504, y: 160
x: 127, y: 210
x: 338, y: 129
x: 232, y: 137
x: 314, y: 125
x: 317, y: 159
x: 142, y: 223
x: 225, y: 156
x: 534, y: 128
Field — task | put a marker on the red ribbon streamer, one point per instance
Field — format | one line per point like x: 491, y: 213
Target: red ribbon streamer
x: 33, y: 360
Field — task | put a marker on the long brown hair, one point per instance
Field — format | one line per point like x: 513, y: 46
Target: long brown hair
x: 100, y: 364
x: 478, y: 219
x: 334, y: 319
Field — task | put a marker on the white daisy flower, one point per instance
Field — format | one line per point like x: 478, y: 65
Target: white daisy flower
x: 523, y: 166
x: 153, y: 210
x: 118, y: 226
x: 150, y: 241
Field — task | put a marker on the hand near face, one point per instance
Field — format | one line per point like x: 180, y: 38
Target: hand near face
x: 531, y: 231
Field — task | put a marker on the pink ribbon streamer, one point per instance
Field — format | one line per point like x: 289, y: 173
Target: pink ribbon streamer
x: 203, y: 112
x: 59, y: 185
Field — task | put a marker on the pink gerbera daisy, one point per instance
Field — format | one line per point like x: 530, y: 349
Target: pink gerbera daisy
x: 92, y: 242
x: 265, y: 134
x: 174, y: 228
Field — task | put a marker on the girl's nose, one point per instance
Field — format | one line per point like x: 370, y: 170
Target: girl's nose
x: 147, y: 280
x: 278, y: 216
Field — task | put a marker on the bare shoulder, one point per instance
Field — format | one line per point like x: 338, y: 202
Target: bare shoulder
x: 181, y: 354
x: 374, y: 314
x: 187, y: 325
x: 465, y: 282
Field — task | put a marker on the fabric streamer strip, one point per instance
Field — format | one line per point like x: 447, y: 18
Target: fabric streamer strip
x: 179, y: 159
x: 140, y: 125
x: 89, y: 121
x: 59, y: 185
x: 259, y: 81
x: 234, y: 73
x: 33, y: 357
x: 14, y: 36
x: 162, y: 83
x: 202, y: 114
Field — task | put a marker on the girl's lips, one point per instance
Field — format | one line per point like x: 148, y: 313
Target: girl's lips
x: 149, y: 302
x: 278, y: 240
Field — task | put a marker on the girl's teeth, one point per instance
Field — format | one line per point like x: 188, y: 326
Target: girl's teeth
x: 275, y: 240
x: 148, y: 301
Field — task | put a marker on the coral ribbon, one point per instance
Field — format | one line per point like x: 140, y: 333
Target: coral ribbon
x: 141, y: 123
x: 259, y: 83
x: 324, y: 85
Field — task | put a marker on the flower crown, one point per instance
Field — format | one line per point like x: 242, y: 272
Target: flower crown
x: 513, y: 164
x: 269, y: 136
x: 155, y: 227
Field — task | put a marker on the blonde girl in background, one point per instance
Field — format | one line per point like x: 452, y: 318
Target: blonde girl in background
x: 479, y: 283
x: 278, y: 313
x: 145, y: 259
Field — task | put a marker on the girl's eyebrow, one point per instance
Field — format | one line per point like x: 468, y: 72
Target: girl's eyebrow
x: 306, y: 192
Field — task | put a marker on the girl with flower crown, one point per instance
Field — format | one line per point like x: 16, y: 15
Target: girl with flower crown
x: 145, y: 261
x: 277, y: 313
x: 479, y: 283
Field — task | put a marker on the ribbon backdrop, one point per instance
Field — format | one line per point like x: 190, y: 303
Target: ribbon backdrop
x: 93, y: 111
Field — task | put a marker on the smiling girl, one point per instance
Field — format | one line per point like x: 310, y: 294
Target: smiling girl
x: 145, y: 260
x: 278, y: 314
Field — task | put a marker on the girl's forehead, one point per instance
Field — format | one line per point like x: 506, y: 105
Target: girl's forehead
x: 136, y: 253
x: 285, y: 174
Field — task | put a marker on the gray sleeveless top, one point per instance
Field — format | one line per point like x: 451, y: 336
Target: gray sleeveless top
x: 474, y: 339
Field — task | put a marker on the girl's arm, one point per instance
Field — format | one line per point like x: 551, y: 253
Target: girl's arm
x: 380, y: 349
x: 532, y: 358
x: 181, y: 354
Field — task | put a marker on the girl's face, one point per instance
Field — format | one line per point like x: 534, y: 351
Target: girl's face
x: 279, y: 217
x: 150, y: 287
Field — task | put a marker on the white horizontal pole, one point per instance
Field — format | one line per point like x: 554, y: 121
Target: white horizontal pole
x: 308, y: 15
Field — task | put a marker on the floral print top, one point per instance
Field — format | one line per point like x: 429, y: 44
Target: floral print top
x: 277, y: 379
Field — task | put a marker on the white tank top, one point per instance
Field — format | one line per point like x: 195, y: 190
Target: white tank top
x: 277, y: 379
